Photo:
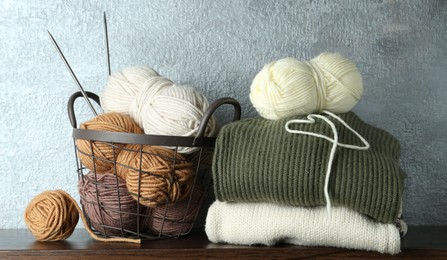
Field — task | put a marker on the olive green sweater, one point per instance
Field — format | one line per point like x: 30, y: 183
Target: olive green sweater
x: 257, y: 160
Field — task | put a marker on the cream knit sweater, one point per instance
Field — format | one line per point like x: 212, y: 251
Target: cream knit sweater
x: 268, y: 224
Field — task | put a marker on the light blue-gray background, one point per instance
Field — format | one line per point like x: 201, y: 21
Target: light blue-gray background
x: 400, y: 48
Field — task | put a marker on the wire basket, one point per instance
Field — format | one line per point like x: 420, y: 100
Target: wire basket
x: 167, y: 218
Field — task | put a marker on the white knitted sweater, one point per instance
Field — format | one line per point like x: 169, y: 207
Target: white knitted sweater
x: 268, y: 224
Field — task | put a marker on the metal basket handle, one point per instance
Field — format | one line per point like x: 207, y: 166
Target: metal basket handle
x: 203, y: 123
x: 210, y: 111
x: 70, y: 105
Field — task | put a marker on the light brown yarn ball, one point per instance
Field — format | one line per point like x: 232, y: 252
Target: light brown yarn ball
x: 52, y: 216
x: 104, y: 153
x: 165, y: 175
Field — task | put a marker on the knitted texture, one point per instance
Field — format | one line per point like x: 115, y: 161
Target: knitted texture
x: 268, y: 224
x: 257, y: 160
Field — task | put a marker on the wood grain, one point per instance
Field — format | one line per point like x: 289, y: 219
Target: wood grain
x: 420, y: 243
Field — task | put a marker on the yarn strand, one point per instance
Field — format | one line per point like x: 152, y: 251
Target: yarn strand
x: 98, y: 238
x: 335, y: 143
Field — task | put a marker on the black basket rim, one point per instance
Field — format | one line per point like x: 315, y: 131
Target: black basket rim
x: 200, y: 140
x: 143, y: 139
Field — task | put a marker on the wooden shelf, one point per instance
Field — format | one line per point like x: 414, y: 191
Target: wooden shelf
x: 423, y: 242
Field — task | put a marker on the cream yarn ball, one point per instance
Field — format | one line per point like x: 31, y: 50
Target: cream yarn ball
x: 122, y: 87
x: 291, y: 87
x: 165, y: 108
x: 158, y: 105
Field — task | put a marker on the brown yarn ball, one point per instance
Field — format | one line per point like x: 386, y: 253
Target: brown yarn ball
x: 104, y: 153
x: 117, y: 209
x: 165, y: 175
x: 178, y: 218
x: 51, y: 216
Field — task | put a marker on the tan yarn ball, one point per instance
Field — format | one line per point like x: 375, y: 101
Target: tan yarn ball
x: 52, y: 216
x: 165, y: 175
x: 290, y: 87
x: 104, y: 153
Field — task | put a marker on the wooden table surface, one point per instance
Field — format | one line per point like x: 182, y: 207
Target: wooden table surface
x: 420, y: 243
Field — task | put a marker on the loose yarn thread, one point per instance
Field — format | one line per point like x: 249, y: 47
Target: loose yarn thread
x: 104, y: 154
x: 53, y: 215
x: 289, y: 87
x: 158, y: 105
x: 116, y: 213
x: 155, y: 175
x: 335, y: 143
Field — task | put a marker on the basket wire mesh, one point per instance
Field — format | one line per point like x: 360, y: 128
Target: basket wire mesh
x: 147, y: 217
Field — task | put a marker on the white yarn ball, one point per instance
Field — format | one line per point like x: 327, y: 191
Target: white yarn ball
x: 291, y: 87
x: 122, y: 87
x: 158, y: 105
x: 164, y: 108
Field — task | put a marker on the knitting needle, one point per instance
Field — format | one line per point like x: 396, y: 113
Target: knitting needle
x: 106, y: 42
x: 72, y: 73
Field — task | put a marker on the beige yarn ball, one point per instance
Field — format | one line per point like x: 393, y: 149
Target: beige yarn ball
x: 291, y: 87
x: 158, y: 105
x: 123, y: 86
x: 165, y: 108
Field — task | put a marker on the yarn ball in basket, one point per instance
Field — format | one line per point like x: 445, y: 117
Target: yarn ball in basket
x: 177, y: 218
x: 158, y: 105
x: 104, y: 153
x: 159, y: 174
x: 117, y: 209
x: 165, y: 108
x: 123, y: 86
x: 291, y: 87
x: 51, y: 216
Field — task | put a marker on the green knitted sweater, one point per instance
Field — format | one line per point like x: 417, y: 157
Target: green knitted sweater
x: 257, y: 160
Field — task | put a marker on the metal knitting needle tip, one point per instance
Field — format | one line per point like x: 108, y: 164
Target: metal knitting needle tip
x: 72, y: 73
x: 106, y: 43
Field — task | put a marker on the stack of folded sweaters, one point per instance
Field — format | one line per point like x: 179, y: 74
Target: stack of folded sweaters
x: 270, y: 186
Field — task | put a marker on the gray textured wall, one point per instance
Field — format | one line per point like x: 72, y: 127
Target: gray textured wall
x: 219, y: 46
